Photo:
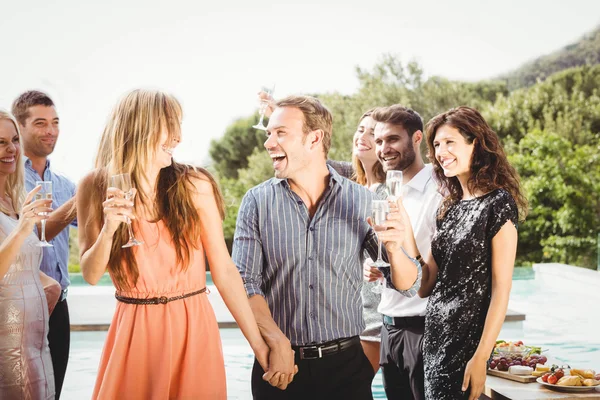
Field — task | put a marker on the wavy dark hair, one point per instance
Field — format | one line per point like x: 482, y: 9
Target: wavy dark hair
x: 489, y: 167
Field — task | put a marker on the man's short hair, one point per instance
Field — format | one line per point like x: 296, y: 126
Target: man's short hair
x: 31, y: 98
x: 396, y: 114
x: 316, y: 116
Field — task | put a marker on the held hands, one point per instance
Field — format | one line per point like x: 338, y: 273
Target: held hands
x: 474, y: 377
x: 33, y: 211
x: 282, y: 369
x: 117, y: 209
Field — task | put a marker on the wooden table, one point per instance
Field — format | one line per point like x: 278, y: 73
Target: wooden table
x: 503, y: 389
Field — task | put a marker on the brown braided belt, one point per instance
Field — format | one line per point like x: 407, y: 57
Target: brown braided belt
x: 156, y: 300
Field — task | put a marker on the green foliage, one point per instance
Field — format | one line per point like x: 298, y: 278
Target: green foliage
x: 231, y: 152
x: 586, y: 51
x: 550, y: 130
x: 562, y: 182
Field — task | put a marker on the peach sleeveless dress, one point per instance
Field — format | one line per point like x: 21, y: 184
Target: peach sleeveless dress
x: 163, y: 351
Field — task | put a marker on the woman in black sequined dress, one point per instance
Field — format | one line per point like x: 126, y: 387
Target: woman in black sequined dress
x: 468, y: 274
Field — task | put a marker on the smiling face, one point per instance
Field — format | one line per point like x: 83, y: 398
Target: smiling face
x: 364, y: 141
x: 394, y: 146
x: 453, y: 152
x: 10, y: 147
x: 163, y: 154
x: 287, y: 144
x: 40, y: 131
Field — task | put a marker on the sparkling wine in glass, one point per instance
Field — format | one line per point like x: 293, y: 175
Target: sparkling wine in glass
x: 264, y: 104
x: 123, y: 182
x: 380, y: 211
x: 45, y: 193
x: 393, y: 182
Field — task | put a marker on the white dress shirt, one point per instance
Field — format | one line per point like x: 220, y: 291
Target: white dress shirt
x: 421, y: 199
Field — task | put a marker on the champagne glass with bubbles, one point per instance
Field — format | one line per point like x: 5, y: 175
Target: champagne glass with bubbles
x: 45, y: 193
x: 264, y: 104
x: 381, y: 209
x: 123, y: 182
x: 393, y: 182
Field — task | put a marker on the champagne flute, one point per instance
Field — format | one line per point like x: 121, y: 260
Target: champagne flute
x: 45, y: 193
x: 264, y: 104
x: 123, y: 182
x: 393, y: 182
x: 380, y: 211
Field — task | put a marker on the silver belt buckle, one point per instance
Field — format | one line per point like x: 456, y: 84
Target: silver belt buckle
x: 303, y: 357
x: 63, y: 294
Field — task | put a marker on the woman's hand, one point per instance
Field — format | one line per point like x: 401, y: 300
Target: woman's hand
x: 397, y: 227
x: 117, y: 209
x: 264, y: 96
x: 370, y: 273
x: 33, y: 211
x: 475, y: 377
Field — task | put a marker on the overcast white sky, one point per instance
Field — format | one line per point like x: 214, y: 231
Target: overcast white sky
x: 214, y: 57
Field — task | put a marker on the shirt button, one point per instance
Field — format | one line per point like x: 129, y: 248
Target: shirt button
x: 311, y: 229
x: 312, y: 314
x: 300, y: 202
x: 309, y: 258
x: 310, y: 286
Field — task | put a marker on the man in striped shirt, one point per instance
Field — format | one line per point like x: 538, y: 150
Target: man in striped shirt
x: 299, y: 246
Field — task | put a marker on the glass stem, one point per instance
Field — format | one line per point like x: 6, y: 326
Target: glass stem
x: 44, y: 230
x: 260, y: 121
x: 129, y: 229
x: 379, y: 259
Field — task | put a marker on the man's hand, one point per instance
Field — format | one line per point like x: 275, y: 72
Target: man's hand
x: 281, y: 367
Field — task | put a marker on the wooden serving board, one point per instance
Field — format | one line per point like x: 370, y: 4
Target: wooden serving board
x: 516, y: 378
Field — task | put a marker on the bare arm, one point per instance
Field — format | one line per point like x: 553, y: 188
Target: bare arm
x: 429, y: 278
x: 95, y: 237
x: 60, y: 218
x: 224, y: 272
x: 29, y: 216
x: 504, y: 249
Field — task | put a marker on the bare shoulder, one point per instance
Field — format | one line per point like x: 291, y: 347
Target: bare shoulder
x: 91, y: 178
x: 201, y: 179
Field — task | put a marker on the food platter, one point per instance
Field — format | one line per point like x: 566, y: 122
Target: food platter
x: 571, y: 389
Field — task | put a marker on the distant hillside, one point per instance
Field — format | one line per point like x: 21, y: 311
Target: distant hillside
x: 586, y: 51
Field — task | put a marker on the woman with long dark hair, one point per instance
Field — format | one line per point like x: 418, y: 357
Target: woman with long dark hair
x: 468, y: 274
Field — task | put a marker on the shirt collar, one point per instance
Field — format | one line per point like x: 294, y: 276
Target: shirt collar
x: 28, y: 162
x: 420, y: 180
x: 333, y: 177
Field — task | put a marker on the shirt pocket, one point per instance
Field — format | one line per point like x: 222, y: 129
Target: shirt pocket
x: 340, y: 236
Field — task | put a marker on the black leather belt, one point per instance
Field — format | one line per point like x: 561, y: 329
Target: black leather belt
x: 325, y: 349
x: 405, y: 322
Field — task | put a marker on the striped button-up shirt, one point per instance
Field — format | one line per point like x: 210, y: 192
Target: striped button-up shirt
x: 308, y: 269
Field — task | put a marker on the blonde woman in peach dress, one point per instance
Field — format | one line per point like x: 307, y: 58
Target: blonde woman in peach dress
x: 163, y: 341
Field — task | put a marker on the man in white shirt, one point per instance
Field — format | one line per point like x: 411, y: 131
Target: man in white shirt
x: 398, y: 135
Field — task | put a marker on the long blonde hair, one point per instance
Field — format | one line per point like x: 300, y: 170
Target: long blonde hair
x: 130, y: 137
x: 360, y: 175
x: 15, y: 183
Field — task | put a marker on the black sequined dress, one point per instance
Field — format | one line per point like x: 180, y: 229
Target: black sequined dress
x: 460, y: 299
